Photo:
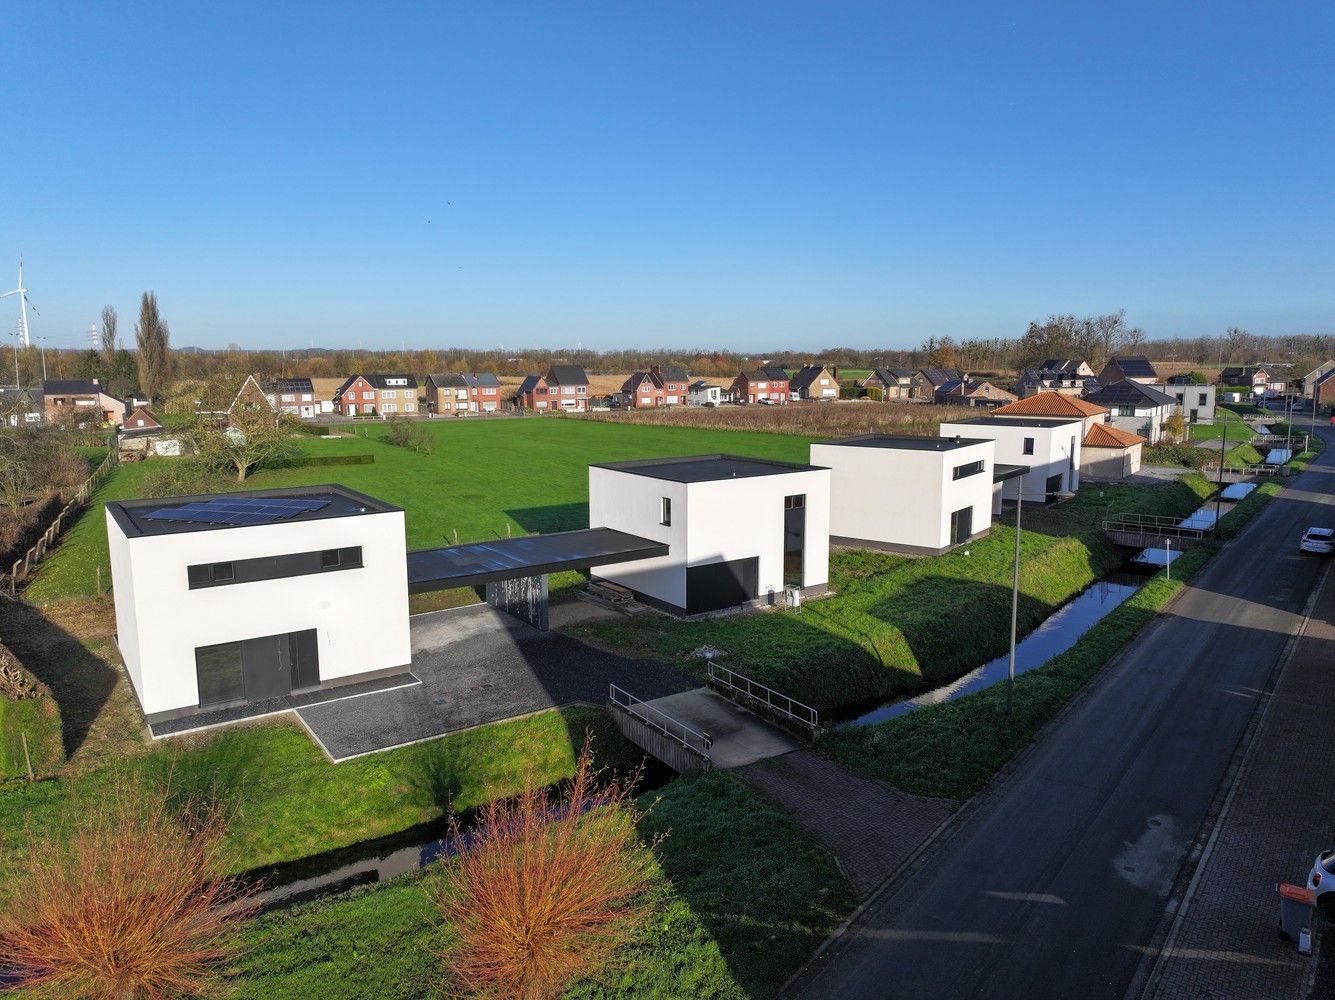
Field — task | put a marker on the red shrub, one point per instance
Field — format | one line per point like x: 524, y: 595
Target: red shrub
x: 133, y: 905
x: 546, y: 891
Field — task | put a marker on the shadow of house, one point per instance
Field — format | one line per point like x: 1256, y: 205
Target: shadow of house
x: 80, y: 680
x: 554, y: 517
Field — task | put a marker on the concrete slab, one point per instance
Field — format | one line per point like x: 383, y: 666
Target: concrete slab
x: 740, y: 738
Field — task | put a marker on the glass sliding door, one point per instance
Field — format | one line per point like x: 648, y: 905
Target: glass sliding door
x: 218, y: 670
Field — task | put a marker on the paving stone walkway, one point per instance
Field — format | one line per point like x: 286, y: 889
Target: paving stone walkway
x: 1282, y: 812
x: 868, y: 826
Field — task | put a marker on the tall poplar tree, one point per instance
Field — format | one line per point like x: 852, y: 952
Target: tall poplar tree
x: 153, y: 340
x: 109, y: 333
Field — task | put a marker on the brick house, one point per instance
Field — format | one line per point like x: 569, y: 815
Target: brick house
x: 768, y: 384
x: 384, y: 395
x: 462, y: 392
x: 661, y: 385
x: 894, y: 384
x: 79, y: 402
x: 563, y: 387
x: 924, y: 383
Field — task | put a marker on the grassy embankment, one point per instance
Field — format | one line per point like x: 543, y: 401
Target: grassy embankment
x: 952, y: 749
x: 740, y: 898
x: 286, y: 802
x: 897, y: 624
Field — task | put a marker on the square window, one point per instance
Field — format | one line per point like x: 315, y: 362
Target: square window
x: 329, y: 558
x: 222, y: 572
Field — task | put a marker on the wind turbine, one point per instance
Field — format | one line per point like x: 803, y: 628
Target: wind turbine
x: 24, y: 303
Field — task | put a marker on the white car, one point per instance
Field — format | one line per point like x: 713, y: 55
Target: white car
x: 1319, y: 541
x: 1322, y: 882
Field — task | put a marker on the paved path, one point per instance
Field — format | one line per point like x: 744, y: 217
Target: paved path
x: 1054, y: 885
x: 479, y: 665
x: 1280, y: 814
x: 868, y: 826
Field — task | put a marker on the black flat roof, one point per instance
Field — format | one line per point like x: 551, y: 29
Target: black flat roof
x: 1012, y: 422
x: 705, y: 468
x: 335, y: 500
x: 507, y: 558
x: 1001, y: 472
x: 906, y: 442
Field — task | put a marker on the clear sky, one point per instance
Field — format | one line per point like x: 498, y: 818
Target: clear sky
x: 669, y: 174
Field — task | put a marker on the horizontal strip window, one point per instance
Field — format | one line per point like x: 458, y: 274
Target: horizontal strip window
x: 221, y: 574
x: 971, y: 469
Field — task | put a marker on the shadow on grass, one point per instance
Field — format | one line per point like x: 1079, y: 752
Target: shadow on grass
x: 554, y: 517
x: 80, y: 680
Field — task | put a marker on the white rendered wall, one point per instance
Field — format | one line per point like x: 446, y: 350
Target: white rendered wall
x: 741, y: 518
x: 122, y: 580
x: 1056, y: 450
x: 904, y: 496
x: 360, y: 615
x: 633, y: 504
x: 711, y: 522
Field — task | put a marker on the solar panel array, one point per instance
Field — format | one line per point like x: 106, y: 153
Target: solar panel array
x: 239, y: 511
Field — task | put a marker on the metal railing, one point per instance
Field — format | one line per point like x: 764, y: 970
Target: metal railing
x: 1151, y: 524
x: 763, y: 696
x: 1254, y: 469
x: 696, y: 742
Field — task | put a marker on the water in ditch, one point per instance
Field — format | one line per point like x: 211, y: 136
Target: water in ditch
x: 1057, y: 634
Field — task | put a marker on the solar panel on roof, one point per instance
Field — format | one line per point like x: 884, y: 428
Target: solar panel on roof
x: 238, y: 510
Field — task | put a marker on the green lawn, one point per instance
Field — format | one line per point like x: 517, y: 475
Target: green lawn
x: 286, y: 802
x: 740, y: 899
x: 898, y: 624
x: 1237, y: 429
x: 483, y: 477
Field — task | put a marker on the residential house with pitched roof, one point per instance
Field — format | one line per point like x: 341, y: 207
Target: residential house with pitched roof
x: 1314, y: 376
x: 1106, y: 451
x: 21, y: 407
x: 563, y: 388
x: 79, y: 402
x: 660, y: 385
x: 702, y: 393
x: 381, y: 395
x: 814, y: 382
x: 1135, y: 407
x: 894, y: 384
x: 767, y: 385
x: 962, y: 392
x: 1069, y: 381
x: 1131, y: 368
x: 1262, y: 378
x: 925, y: 381
x: 1071, y: 366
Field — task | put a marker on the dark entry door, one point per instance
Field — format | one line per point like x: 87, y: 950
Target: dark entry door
x: 721, y: 584
x: 961, y: 526
x: 1054, y: 486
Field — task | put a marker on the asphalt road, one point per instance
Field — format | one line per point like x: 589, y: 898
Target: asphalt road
x: 1054, y: 886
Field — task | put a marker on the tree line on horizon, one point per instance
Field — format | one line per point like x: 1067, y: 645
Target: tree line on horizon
x: 151, y: 365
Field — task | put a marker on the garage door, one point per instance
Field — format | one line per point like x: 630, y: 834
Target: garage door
x: 721, y: 585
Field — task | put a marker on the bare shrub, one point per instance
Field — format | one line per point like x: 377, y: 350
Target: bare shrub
x: 130, y: 902
x: 811, y: 419
x: 407, y: 433
x: 546, y: 890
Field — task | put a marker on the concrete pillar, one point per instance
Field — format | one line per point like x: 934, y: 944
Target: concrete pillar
x: 525, y: 597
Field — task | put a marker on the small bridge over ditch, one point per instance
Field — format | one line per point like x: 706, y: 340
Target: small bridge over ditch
x: 1153, y: 531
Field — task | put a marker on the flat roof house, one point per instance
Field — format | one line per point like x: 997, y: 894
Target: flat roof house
x: 1197, y: 402
x: 908, y: 494
x: 228, y: 600
x: 1048, y: 447
x: 1106, y: 451
x: 738, y: 530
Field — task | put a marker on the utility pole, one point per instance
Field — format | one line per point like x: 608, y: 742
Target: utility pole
x: 1015, y: 603
x: 42, y: 341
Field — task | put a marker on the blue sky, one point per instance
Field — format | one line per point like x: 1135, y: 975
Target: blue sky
x: 670, y: 174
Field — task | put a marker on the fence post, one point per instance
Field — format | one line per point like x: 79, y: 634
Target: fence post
x: 27, y: 760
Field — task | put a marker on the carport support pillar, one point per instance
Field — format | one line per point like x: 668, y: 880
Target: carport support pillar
x: 525, y: 597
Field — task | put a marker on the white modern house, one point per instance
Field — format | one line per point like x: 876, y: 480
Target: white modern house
x: 1195, y: 402
x: 246, y: 599
x: 1049, y: 447
x: 702, y: 393
x: 738, y: 530
x: 908, y: 494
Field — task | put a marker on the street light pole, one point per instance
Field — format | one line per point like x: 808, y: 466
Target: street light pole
x: 1015, y: 603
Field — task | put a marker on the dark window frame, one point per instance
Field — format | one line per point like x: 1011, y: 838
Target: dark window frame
x: 665, y: 512
x: 967, y: 470
x: 1028, y: 448
x: 279, y: 567
x: 796, y: 501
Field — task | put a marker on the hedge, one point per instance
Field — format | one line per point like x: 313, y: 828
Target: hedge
x: 306, y: 461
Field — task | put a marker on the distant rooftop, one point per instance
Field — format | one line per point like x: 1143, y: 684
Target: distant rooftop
x: 906, y: 442
x: 705, y: 468
x: 214, y: 511
x: 1012, y: 422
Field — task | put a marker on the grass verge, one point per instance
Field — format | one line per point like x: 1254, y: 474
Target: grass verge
x: 952, y: 749
x: 741, y: 897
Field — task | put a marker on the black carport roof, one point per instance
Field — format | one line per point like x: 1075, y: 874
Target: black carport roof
x: 508, y: 558
x: 1000, y: 472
